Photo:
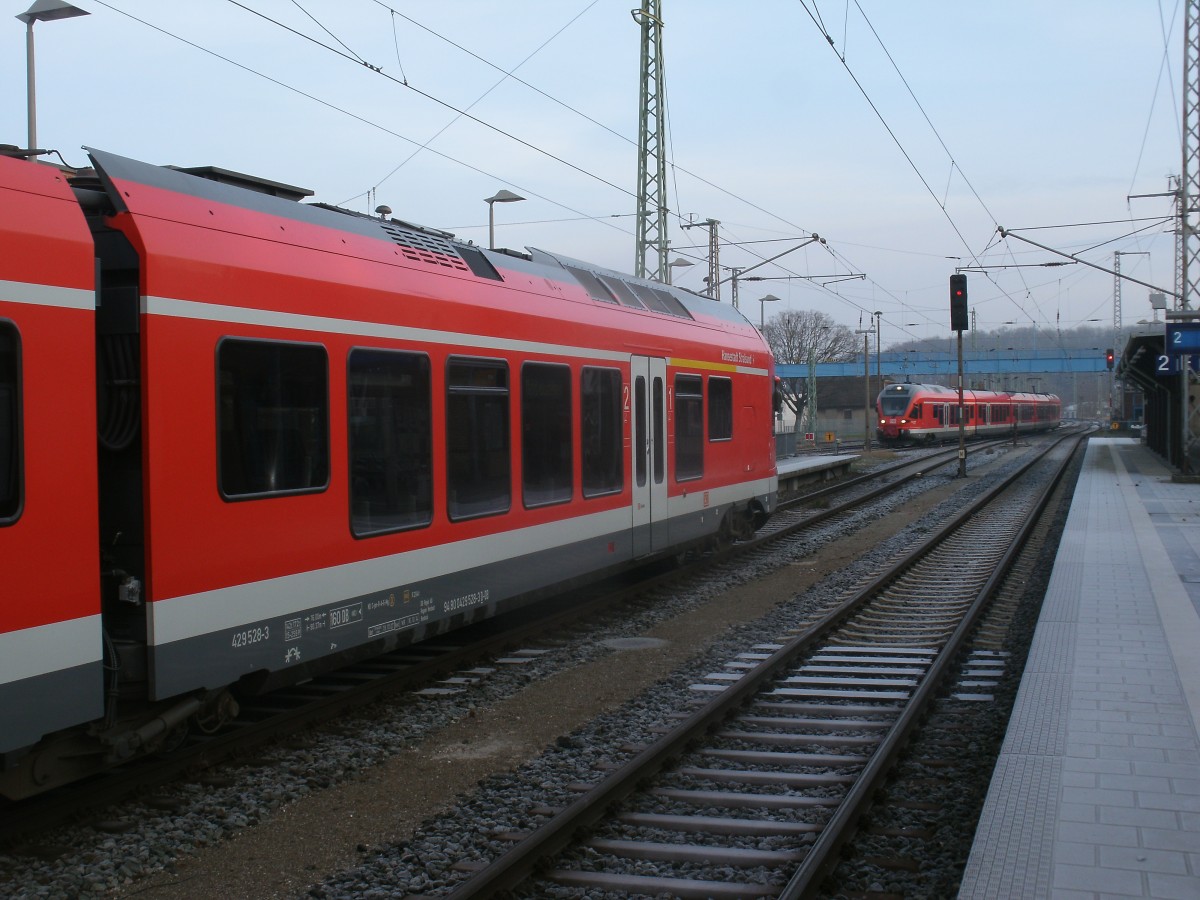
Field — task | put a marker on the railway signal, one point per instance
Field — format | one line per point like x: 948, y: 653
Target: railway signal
x: 958, y: 324
x: 958, y: 302
x: 1108, y: 358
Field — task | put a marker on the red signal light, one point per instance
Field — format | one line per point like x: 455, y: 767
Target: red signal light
x: 958, y: 302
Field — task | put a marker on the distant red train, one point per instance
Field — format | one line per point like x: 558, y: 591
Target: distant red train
x: 914, y: 413
x: 245, y: 438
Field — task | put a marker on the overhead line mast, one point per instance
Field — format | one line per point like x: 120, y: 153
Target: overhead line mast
x: 1189, y: 182
x: 1189, y: 192
x: 651, y: 234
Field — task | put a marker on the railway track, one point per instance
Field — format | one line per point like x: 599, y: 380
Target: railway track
x: 813, y: 507
x: 755, y: 792
x: 449, y: 664
x: 919, y: 830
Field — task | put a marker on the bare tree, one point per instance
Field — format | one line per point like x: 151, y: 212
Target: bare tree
x: 798, y: 335
x: 801, y: 337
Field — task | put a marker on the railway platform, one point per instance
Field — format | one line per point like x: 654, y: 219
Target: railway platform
x: 1097, y: 789
x: 797, y: 471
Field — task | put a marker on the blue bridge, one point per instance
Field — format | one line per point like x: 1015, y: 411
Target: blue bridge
x: 912, y: 365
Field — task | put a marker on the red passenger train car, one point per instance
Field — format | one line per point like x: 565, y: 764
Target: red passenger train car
x: 245, y: 438
x: 913, y: 413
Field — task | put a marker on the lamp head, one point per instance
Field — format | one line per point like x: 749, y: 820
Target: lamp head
x: 49, y: 10
x: 503, y: 196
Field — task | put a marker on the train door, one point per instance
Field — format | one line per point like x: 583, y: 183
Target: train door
x: 649, y: 451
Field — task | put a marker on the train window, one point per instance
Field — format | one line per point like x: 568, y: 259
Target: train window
x: 273, y: 417
x: 639, y: 431
x: 546, y: 451
x: 601, y: 439
x: 391, y: 441
x: 477, y: 445
x: 894, y: 404
x: 10, y: 424
x: 660, y: 436
x: 720, y: 409
x: 689, y: 427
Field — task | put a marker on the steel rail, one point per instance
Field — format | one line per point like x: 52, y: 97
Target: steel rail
x: 823, y: 856
x: 110, y: 786
x: 558, y: 832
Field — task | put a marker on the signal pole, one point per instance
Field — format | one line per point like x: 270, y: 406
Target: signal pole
x: 868, y: 410
x: 958, y: 323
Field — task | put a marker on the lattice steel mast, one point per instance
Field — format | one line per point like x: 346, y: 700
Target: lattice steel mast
x: 1189, y: 190
x: 651, y: 237
x: 1176, y: 189
x: 714, y: 260
x: 1189, y: 182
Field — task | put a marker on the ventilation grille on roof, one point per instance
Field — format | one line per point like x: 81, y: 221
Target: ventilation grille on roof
x: 425, y: 248
x: 610, y: 289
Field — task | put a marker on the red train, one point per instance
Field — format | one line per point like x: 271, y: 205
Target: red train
x: 910, y: 413
x: 245, y: 438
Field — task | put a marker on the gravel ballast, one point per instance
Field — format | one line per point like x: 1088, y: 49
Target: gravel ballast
x: 387, y: 801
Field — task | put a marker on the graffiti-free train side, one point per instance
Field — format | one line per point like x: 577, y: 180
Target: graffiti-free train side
x: 922, y: 413
x: 245, y: 438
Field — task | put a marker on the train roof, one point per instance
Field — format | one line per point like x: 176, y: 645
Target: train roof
x: 910, y: 389
x: 421, y: 247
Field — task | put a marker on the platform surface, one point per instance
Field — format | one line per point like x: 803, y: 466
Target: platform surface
x: 812, y: 462
x: 1097, y: 790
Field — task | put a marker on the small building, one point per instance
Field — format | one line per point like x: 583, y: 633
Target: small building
x: 844, y: 406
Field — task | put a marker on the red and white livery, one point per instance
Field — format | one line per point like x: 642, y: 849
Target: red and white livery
x: 910, y: 413
x: 244, y: 438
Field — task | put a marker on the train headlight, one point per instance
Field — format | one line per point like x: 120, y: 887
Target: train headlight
x: 904, y: 421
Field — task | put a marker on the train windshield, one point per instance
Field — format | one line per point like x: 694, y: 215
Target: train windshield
x: 893, y: 404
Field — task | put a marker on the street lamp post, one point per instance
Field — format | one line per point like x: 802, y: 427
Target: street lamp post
x: 41, y: 11
x: 868, y: 413
x: 878, y: 365
x: 821, y: 333
x: 762, y: 309
x: 502, y: 196
x: 677, y: 263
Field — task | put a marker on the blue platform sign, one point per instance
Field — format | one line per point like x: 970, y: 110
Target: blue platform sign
x: 1174, y: 364
x: 1183, y: 337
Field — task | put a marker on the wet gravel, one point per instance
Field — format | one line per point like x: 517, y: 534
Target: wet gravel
x: 314, y: 798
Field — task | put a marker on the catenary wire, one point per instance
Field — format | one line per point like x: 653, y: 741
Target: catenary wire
x: 343, y: 111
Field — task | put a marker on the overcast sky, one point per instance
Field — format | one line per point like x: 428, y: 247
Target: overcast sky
x: 904, y: 143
